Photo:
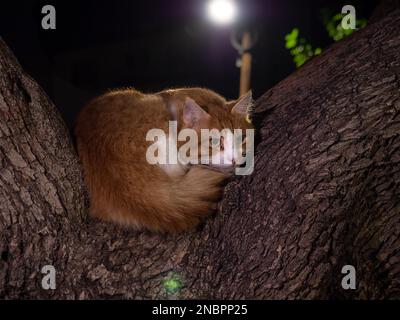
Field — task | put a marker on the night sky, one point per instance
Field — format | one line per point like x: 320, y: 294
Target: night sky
x: 153, y: 45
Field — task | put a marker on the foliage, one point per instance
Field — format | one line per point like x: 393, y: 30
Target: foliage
x: 173, y: 283
x: 335, y: 29
x: 301, y: 50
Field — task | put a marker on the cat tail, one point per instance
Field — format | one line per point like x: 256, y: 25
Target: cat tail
x: 195, y: 196
x: 168, y: 207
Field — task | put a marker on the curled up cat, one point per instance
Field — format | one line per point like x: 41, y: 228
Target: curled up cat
x: 112, y: 139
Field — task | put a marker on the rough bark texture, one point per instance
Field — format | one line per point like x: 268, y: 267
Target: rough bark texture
x: 325, y: 193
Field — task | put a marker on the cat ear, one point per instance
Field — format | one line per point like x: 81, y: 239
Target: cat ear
x: 193, y: 114
x: 244, y: 105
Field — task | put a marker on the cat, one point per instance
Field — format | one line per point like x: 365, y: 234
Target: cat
x: 124, y: 188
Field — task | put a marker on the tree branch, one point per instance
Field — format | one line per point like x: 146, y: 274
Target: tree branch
x: 325, y: 192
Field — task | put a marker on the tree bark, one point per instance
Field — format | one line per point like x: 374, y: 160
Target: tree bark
x: 325, y: 193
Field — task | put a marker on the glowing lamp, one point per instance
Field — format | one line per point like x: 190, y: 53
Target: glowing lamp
x: 222, y: 11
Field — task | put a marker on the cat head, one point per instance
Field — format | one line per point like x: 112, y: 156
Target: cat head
x: 226, y: 122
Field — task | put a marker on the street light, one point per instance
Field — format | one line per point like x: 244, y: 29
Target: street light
x: 224, y: 12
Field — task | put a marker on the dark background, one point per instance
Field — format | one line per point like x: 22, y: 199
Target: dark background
x: 152, y: 45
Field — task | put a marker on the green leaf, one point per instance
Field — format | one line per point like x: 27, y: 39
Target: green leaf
x: 334, y: 26
x: 173, y: 283
x: 292, y: 35
x: 290, y: 44
x: 337, y: 17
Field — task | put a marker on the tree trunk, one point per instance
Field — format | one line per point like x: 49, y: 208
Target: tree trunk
x: 325, y: 193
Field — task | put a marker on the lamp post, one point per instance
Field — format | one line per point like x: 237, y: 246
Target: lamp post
x: 245, y: 63
x: 224, y: 12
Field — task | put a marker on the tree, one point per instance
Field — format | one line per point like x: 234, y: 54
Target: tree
x: 325, y: 193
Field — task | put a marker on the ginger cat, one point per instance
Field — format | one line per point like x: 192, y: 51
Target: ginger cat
x: 124, y: 188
